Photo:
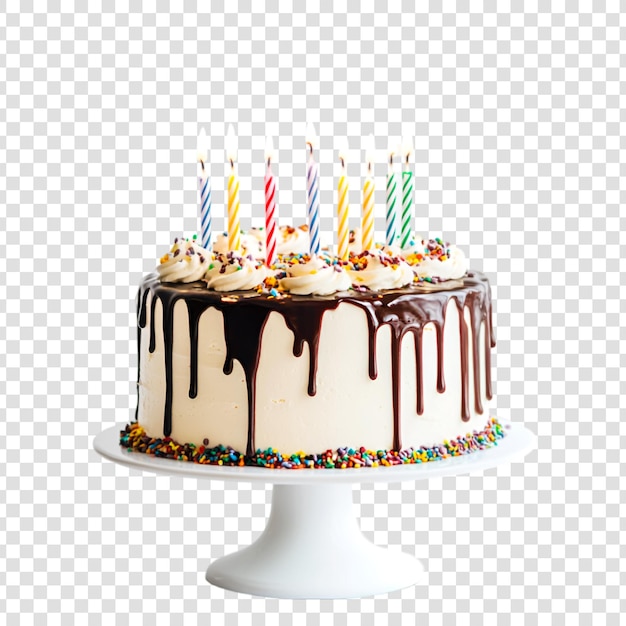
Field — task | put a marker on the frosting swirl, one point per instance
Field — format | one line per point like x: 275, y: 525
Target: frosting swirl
x: 434, y: 258
x: 252, y: 243
x: 377, y: 271
x: 293, y: 240
x: 315, y: 276
x: 289, y: 240
x: 355, y: 245
x: 230, y: 272
x: 186, y: 262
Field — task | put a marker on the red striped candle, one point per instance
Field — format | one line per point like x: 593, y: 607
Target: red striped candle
x: 270, y: 206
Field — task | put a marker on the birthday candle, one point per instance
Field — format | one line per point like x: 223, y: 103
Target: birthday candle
x: 392, y: 185
x: 312, y: 193
x: 270, y: 205
x: 204, y: 186
x: 367, y: 221
x: 343, y: 206
x: 407, y: 196
x: 234, y: 237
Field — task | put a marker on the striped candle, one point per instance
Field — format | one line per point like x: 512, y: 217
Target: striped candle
x: 313, y: 194
x: 204, y: 186
x: 270, y: 206
x: 343, y: 207
x: 407, y: 198
x: 367, y: 220
x: 234, y: 235
x: 206, y: 223
x: 391, y: 217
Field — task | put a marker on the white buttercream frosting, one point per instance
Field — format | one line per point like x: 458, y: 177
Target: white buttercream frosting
x: 252, y: 243
x: 434, y: 258
x: 230, y: 272
x: 186, y: 262
x: 289, y: 240
x: 356, y: 245
x: 376, y: 271
x: 293, y: 240
x: 316, y: 276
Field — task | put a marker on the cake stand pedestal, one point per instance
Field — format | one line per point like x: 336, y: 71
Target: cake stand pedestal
x: 312, y: 546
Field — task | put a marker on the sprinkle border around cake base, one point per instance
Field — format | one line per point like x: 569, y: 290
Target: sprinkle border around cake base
x: 134, y: 439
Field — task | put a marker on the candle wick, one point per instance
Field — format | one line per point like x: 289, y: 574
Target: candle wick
x: 391, y: 159
x: 202, y: 164
x: 343, y: 165
x: 407, y: 158
x: 232, y: 163
x: 369, y: 167
x: 268, y: 161
x: 310, y: 147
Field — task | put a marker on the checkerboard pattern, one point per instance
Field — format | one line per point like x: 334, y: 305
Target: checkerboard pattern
x: 519, y: 129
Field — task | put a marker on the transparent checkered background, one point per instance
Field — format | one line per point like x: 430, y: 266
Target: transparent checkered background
x: 519, y: 126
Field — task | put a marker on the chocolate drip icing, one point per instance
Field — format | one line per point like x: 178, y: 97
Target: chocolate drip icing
x: 404, y: 311
x: 152, y: 344
x: 168, y: 336
x: 142, y: 296
x: 306, y: 324
x: 465, y: 410
x: 396, y: 368
x: 243, y: 329
x: 419, y: 371
x: 478, y: 405
x: 194, y: 310
x: 489, y: 343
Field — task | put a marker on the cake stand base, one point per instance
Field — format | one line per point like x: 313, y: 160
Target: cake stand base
x: 312, y: 547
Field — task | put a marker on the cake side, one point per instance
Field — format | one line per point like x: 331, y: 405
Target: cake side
x: 380, y: 371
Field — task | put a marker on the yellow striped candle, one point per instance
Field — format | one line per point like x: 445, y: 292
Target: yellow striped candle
x: 234, y: 235
x: 367, y: 220
x: 343, y: 207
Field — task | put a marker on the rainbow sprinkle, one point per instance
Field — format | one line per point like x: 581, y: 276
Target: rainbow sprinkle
x: 434, y: 249
x: 134, y: 439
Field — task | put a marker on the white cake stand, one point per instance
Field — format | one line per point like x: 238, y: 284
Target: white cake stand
x: 312, y: 546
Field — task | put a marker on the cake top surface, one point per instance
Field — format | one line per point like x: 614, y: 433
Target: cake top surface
x: 295, y: 271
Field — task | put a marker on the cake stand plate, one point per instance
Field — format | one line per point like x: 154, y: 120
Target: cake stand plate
x: 312, y: 546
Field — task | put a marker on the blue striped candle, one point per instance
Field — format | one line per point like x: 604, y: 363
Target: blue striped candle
x: 204, y: 186
x: 313, y: 194
x: 206, y: 223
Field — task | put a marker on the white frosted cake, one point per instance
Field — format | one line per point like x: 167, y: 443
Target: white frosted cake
x: 313, y: 362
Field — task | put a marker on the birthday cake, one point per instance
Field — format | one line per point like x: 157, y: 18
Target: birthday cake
x: 262, y: 348
x: 313, y: 361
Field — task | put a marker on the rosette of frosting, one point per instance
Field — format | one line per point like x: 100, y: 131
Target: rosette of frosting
x: 293, y: 240
x: 315, y: 276
x: 356, y: 246
x: 289, y: 240
x: 438, y: 259
x: 252, y: 243
x: 186, y: 262
x: 376, y: 271
x: 230, y: 272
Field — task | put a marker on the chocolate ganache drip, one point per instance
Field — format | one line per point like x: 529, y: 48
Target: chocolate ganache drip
x: 404, y: 311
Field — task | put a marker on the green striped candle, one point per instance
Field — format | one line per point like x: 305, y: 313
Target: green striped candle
x: 392, y: 187
x: 406, y: 226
